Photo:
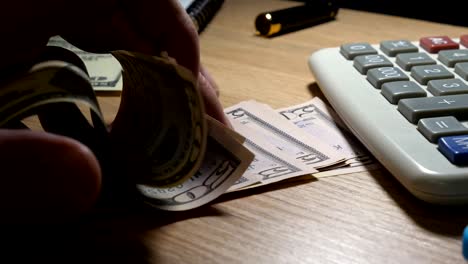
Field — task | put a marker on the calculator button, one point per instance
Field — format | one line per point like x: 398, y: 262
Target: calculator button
x: 425, y: 73
x: 408, y: 60
x: 437, y: 43
x: 455, y: 149
x: 462, y: 70
x: 451, y: 57
x: 394, y: 91
x: 393, y: 47
x: 447, y: 87
x: 382, y: 75
x: 464, y: 40
x: 365, y: 62
x: 435, y: 127
x: 351, y: 50
x: 449, y: 105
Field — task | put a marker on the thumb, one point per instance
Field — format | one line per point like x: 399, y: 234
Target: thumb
x: 45, y: 177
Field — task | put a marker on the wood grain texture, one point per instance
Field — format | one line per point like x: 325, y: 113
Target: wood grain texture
x: 354, y: 218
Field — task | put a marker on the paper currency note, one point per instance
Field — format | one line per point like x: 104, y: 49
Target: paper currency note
x: 269, y: 165
x: 313, y: 120
x: 317, y: 119
x: 284, y: 136
x: 224, y: 163
x: 105, y: 72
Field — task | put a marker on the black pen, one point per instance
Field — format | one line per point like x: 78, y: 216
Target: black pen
x: 294, y: 18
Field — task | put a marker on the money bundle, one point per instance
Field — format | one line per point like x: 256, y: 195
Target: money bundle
x: 172, y: 154
x: 175, y: 156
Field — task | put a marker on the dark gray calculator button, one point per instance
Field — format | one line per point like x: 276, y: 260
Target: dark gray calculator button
x: 365, y: 62
x: 393, y: 47
x: 448, y: 105
x: 408, y: 60
x: 462, y: 70
x: 425, y: 73
x: 394, y: 91
x: 452, y: 57
x: 351, y: 50
x: 378, y: 76
x: 435, y: 127
x: 447, y: 87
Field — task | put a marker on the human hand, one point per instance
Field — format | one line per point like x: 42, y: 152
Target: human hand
x: 57, y: 177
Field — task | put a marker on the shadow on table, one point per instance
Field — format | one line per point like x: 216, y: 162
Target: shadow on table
x: 449, y: 220
x: 117, y: 235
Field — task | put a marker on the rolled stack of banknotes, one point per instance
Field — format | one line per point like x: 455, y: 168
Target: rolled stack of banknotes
x: 177, y: 156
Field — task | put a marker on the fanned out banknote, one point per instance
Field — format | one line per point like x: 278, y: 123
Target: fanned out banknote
x: 320, y: 120
x: 286, y: 137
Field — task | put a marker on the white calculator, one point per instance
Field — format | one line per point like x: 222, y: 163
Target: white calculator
x: 407, y: 102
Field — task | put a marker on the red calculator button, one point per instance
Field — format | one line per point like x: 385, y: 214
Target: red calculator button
x: 437, y: 43
x: 464, y: 40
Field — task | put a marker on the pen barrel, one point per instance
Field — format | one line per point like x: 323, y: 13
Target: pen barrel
x: 293, y: 18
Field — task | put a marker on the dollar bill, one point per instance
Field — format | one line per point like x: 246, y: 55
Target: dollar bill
x: 269, y: 165
x: 316, y: 118
x: 313, y: 120
x: 284, y: 136
x: 105, y: 72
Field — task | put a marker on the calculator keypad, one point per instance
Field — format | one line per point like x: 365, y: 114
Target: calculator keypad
x: 427, y: 83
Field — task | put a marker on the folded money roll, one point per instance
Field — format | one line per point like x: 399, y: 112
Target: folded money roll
x: 162, y: 147
x: 179, y: 158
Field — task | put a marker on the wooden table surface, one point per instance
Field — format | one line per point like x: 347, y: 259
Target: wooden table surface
x: 354, y: 218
